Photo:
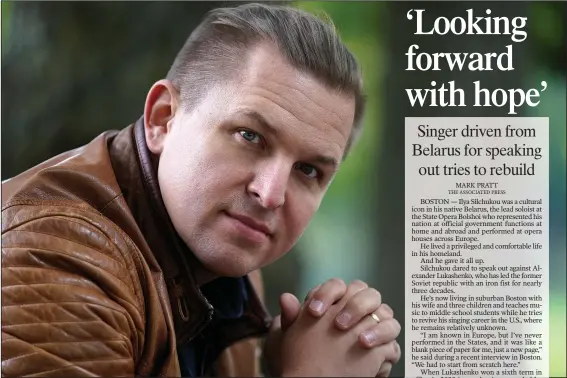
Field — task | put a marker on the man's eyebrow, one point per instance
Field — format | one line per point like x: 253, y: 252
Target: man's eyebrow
x: 327, y: 160
x: 261, y: 120
x: 320, y: 159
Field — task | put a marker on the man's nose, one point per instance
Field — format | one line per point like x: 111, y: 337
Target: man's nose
x: 269, y: 185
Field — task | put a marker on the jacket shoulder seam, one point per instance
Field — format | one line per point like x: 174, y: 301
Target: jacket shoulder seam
x: 85, y: 207
x: 121, y: 279
x: 89, y: 211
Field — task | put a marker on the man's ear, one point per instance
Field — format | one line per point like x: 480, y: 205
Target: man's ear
x: 159, y: 111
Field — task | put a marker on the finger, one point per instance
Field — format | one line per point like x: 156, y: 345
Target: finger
x: 353, y: 288
x: 379, y: 334
x: 310, y: 294
x: 276, y: 323
x: 290, y: 309
x: 360, y: 305
x: 397, y: 353
x: 385, y: 369
x: 389, y: 352
x: 385, y: 311
x: 329, y: 292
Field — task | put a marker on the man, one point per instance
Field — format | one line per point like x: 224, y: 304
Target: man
x: 140, y: 253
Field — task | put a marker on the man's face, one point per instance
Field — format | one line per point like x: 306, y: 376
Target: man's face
x: 243, y: 173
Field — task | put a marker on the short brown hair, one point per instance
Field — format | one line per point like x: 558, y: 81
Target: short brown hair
x: 308, y: 43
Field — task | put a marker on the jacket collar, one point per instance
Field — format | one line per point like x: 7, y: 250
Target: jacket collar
x: 135, y: 168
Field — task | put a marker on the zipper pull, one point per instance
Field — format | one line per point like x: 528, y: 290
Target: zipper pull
x: 183, y: 309
x: 182, y: 306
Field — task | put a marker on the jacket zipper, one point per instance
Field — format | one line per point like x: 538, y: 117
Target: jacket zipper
x: 183, y: 309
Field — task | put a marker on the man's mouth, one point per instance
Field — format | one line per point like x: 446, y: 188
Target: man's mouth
x: 250, y: 227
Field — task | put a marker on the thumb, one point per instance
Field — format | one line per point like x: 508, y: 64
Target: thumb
x: 290, y: 309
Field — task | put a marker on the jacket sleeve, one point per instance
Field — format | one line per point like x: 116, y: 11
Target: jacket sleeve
x: 69, y: 305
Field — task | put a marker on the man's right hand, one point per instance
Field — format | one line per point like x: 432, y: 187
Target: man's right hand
x: 315, y: 346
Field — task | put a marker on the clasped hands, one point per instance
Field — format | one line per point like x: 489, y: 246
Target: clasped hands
x: 339, y: 330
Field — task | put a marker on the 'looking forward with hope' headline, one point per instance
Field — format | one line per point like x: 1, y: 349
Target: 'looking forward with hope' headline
x: 470, y: 24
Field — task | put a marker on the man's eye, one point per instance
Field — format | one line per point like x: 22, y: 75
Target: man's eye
x: 250, y: 136
x: 307, y: 170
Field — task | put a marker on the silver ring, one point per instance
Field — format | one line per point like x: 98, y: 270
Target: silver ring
x: 375, y: 317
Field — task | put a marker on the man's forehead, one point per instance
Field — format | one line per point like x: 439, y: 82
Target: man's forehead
x: 266, y: 68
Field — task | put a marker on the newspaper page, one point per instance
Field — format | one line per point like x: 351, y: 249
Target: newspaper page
x: 477, y: 281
